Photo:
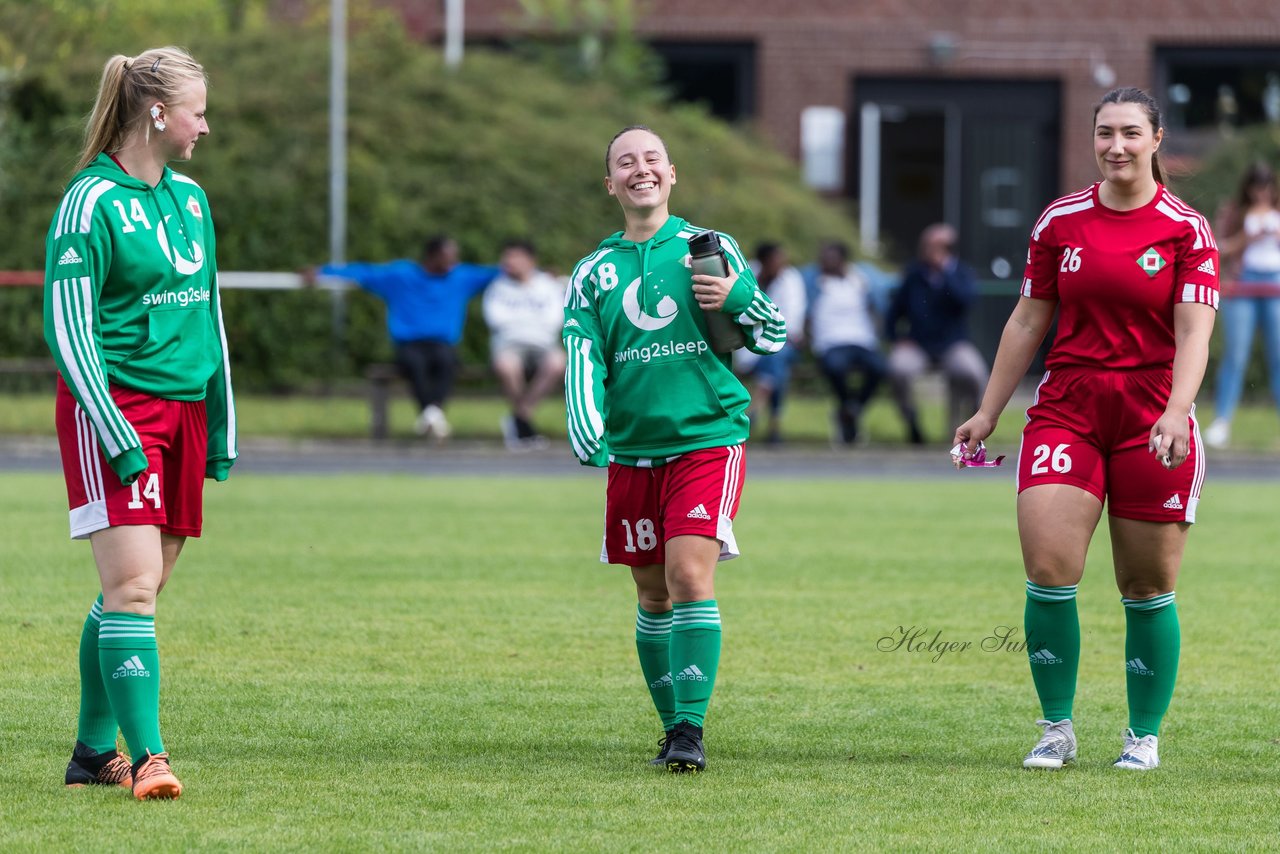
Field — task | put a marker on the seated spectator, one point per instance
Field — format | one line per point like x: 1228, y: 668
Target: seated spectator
x: 842, y: 334
x: 426, y: 307
x: 771, y: 374
x: 927, y: 328
x: 524, y: 308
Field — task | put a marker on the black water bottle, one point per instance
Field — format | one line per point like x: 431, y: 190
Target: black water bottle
x: 706, y: 258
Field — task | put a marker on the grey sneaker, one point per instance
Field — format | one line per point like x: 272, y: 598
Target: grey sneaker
x: 1056, y: 747
x: 1139, y: 754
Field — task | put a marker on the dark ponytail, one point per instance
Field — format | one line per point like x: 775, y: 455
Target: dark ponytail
x: 1134, y: 95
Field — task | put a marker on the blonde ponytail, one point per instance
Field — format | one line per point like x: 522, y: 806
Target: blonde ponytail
x: 129, y: 86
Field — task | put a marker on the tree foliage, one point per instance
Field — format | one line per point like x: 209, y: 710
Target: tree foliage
x: 499, y: 148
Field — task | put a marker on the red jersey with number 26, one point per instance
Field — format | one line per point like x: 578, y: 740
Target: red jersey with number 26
x: 1117, y: 275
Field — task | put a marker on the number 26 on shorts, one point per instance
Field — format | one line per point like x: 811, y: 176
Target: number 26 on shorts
x: 1045, y: 459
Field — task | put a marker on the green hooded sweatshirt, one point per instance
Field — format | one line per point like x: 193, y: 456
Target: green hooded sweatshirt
x: 131, y: 299
x: 642, y: 384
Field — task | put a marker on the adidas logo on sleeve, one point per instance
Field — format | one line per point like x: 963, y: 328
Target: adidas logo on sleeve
x: 699, y: 512
x: 132, y: 666
x: 1174, y: 503
x: 70, y: 257
x: 1207, y: 267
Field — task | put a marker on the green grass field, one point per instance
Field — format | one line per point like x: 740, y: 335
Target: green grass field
x: 392, y: 663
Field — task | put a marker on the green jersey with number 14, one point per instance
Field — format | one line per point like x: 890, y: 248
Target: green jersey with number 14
x: 131, y: 299
x: 642, y: 383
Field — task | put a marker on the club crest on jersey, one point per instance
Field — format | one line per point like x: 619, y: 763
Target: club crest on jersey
x: 194, y: 207
x: 1151, y: 262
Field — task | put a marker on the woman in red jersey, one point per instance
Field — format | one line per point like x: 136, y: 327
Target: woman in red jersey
x: 1131, y: 273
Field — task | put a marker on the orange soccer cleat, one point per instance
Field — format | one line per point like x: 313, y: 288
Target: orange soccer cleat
x: 154, y: 779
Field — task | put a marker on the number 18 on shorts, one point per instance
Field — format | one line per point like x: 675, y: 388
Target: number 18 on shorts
x: 696, y: 494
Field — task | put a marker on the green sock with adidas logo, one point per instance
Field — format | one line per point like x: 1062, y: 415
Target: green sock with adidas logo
x: 97, y: 725
x: 130, y: 665
x: 1152, y: 645
x: 695, y: 655
x: 1052, y: 627
x: 653, y: 644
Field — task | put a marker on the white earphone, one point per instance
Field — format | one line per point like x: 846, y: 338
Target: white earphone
x: 155, y: 116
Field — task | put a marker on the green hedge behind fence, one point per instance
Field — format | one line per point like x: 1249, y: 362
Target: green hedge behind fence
x: 501, y: 148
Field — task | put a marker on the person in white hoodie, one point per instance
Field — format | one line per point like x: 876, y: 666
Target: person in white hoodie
x: 524, y: 309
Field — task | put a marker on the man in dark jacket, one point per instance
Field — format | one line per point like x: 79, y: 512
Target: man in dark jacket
x: 926, y: 327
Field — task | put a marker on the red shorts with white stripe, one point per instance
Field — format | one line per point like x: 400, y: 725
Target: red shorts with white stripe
x: 170, y: 493
x: 698, y: 493
x: 1090, y: 429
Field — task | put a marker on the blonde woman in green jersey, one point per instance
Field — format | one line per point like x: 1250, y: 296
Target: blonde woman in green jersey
x: 144, y: 407
x: 648, y: 397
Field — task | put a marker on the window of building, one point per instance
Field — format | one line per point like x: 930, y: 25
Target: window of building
x: 1212, y: 87
x: 720, y: 75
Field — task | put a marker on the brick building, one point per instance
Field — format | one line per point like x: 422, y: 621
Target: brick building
x: 973, y: 111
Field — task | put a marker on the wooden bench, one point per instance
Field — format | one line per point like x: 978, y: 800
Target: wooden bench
x: 381, y: 377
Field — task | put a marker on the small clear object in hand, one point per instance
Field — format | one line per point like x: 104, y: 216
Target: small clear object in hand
x: 961, y: 458
x: 1166, y: 459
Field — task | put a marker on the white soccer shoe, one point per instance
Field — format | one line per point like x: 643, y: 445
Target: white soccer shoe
x: 1219, y: 434
x: 1056, y: 747
x: 1139, y: 754
x: 432, y: 423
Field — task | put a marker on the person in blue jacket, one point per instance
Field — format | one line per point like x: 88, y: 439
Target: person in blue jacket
x: 426, y: 308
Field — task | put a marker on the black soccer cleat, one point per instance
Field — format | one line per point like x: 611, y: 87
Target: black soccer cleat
x: 664, y: 747
x: 88, y: 767
x: 684, y: 753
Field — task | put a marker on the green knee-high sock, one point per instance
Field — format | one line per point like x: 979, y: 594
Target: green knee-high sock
x: 130, y: 666
x: 1053, y: 647
x: 97, y: 725
x: 1152, y: 645
x: 653, y: 644
x: 695, y: 655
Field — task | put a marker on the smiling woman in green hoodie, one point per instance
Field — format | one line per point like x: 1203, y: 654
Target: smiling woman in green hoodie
x: 144, y: 406
x: 649, y: 397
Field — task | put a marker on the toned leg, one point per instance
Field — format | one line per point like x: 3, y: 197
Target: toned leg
x: 97, y: 721
x: 695, y: 626
x: 653, y: 639
x: 1148, y: 556
x: 1055, y: 524
x: 509, y: 369
x: 906, y: 363
x: 131, y: 564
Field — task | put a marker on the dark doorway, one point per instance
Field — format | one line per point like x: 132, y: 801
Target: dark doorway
x: 912, y: 175
x: 980, y: 154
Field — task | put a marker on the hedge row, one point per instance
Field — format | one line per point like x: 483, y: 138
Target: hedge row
x: 501, y: 148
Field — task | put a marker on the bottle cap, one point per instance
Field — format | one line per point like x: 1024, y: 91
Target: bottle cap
x: 704, y: 243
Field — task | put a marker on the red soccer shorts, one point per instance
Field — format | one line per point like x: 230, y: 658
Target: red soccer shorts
x: 175, y: 438
x: 1090, y: 429
x: 697, y: 494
